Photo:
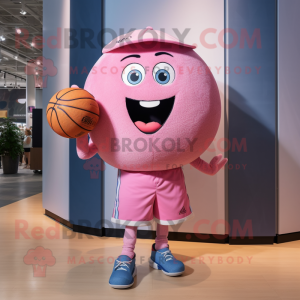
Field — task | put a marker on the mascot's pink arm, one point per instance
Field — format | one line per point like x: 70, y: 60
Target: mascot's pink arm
x: 85, y: 148
x: 216, y: 164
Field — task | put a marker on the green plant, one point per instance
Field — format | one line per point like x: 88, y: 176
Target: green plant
x: 10, y: 138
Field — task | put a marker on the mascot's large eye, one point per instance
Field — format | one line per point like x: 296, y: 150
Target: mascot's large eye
x: 133, y: 74
x: 163, y: 73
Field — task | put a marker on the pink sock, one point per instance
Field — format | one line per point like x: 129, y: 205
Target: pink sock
x: 129, y: 241
x: 161, y: 240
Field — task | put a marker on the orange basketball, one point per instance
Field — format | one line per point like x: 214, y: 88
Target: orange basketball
x: 72, y: 112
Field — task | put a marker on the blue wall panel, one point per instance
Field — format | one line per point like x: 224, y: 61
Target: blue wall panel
x: 252, y: 116
x: 85, y: 49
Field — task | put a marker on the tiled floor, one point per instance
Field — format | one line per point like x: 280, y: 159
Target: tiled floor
x: 14, y: 187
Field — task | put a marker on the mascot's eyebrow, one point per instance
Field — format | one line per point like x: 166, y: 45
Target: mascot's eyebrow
x: 161, y: 53
x: 133, y: 55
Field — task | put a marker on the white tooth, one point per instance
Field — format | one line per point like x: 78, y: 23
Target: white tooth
x: 149, y: 104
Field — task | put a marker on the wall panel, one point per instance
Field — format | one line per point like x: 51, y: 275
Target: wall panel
x: 252, y: 116
x: 288, y: 117
x: 207, y: 193
x: 55, y: 148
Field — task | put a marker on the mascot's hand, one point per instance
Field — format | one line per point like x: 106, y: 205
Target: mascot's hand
x: 85, y: 148
x: 213, y: 167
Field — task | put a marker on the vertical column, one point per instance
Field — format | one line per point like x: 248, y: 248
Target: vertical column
x: 56, y: 17
x: 38, y: 98
x: 85, y: 176
x: 288, y: 118
x: 30, y: 97
x: 251, y: 57
x: 206, y: 193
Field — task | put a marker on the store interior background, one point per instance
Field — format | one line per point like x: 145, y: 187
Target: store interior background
x: 20, y: 92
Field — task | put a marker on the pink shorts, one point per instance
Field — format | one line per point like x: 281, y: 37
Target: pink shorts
x: 142, y: 196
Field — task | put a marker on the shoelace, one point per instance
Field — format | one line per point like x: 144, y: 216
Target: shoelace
x: 167, y: 255
x: 122, y: 264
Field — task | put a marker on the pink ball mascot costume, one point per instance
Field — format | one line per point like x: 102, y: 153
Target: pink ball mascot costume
x: 159, y: 107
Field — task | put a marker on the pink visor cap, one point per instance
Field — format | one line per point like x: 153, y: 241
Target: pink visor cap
x: 143, y: 35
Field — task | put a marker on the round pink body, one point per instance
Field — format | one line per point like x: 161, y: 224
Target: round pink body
x: 159, y: 106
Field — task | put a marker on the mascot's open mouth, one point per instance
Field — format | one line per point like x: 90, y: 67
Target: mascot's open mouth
x: 149, y: 116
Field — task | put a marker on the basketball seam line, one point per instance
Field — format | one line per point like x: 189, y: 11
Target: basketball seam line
x: 75, y: 107
x: 76, y: 99
x: 92, y: 96
x: 56, y: 104
x: 64, y: 93
x: 59, y: 124
x: 53, y: 109
x: 50, y: 116
x: 58, y: 100
x: 73, y: 120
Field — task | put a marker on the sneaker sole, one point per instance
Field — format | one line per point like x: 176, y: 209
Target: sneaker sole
x: 158, y: 267
x: 125, y: 286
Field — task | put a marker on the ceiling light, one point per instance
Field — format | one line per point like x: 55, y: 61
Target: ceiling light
x: 32, y: 44
x: 18, y: 31
x: 2, y: 38
x: 21, y: 101
x: 23, y: 12
x: 38, y: 62
x: 16, y: 57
